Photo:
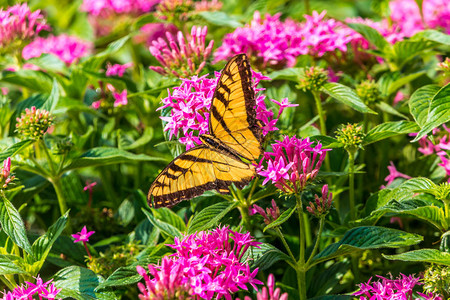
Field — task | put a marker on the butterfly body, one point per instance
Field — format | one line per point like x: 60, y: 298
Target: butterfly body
x: 227, y: 154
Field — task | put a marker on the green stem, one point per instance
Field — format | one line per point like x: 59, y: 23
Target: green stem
x: 300, y: 270
x: 351, y: 183
x: 307, y: 226
x: 307, y: 7
x: 244, y: 214
x: 446, y: 210
x: 255, y: 183
x: 316, y: 245
x: 283, y: 240
x: 59, y: 194
x: 49, y: 158
x: 323, y: 128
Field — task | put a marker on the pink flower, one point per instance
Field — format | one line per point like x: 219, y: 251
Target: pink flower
x: 18, y: 23
x: 96, y: 104
x: 292, y: 163
x: 399, y: 97
x: 67, y: 48
x: 117, y: 69
x: 393, y: 174
x: 436, y: 14
x: 182, y: 56
x: 120, y: 98
x: 190, y: 104
x: 322, y: 205
x: 154, y: 31
x: 389, y: 289
x: 89, y: 185
x: 39, y: 289
x: 405, y: 16
x: 206, y: 264
x: 5, y: 173
x: 272, y: 212
x: 82, y: 236
x: 106, y: 8
x: 445, y: 163
x: 4, y: 91
x: 271, y: 294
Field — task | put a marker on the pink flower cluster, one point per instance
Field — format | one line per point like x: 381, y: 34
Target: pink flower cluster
x: 5, y: 173
x: 117, y: 69
x: 322, y: 205
x: 67, y: 48
x: 42, y: 289
x: 182, y: 56
x: 270, y: 215
x: 190, y: 103
x: 392, y: 289
x: 292, y: 163
x: 19, y: 23
x: 205, y: 264
x: 394, y: 174
x: 271, y: 293
x: 106, y: 8
x: 120, y: 99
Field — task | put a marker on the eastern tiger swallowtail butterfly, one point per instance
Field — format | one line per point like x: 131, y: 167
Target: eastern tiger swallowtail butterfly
x: 227, y: 154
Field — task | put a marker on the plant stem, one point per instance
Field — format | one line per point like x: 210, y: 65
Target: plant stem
x: 446, y: 210
x: 351, y: 183
x: 244, y: 214
x: 316, y: 245
x: 49, y: 158
x: 59, y: 194
x: 283, y: 240
x: 300, y: 270
x: 307, y: 230
x: 323, y: 128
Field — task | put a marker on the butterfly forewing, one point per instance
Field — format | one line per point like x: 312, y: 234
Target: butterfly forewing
x: 196, y: 171
x: 232, y: 118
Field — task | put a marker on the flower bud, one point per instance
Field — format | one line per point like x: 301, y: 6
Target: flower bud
x: 351, y: 135
x: 322, y: 205
x: 5, y: 173
x: 34, y: 123
x: 369, y: 92
x: 314, y: 78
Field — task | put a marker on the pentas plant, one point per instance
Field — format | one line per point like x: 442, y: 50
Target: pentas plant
x: 269, y: 292
x: 292, y: 164
x: 207, y: 264
x: 30, y: 290
x: 20, y: 24
x: 110, y: 98
x: 190, y: 103
x: 117, y: 69
x: 180, y: 56
x: 5, y: 174
x: 67, y: 48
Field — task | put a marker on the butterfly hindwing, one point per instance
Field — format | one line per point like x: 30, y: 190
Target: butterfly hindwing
x: 232, y: 118
x: 197, y: 170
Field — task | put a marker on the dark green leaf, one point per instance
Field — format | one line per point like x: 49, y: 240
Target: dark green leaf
x: 53, y: 99
x: 281, y: 219
x: 165, y: 227
x: 291, y: 74
x: 126, y: 212
x: 405, y: 50
x: 35, y: 80
x: 106, y: 156
x: 265, y: 256
x: 327, y: 141
x: 13, y: 225
x: 220, y: 18
x: 347, y: 96
x: 145, y: 19
x: 11, y: 265
x: 424, y: 256
x: 432, y: 35
x: 210, y: 216
x: 371, y: 34
x: 14, y: 149
x: 389, y: 129
x: 398, y: 83
x: 383, y: 106
x: 367, y: 237
x: 419, y: 103
x: 42, y: 246
x: 439, y: 112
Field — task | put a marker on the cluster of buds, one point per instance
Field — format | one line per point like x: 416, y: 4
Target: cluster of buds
x: 180, y: 56
x: 445, y: 68
x: 351, y: 136
x: 174, y: 11
x: 313, y: 79
x: 271, y: 213
x: 34, y: 123
x: 322, y: 205
x: 107, y: 102
x: 369, y: 92
x: 5, y: 173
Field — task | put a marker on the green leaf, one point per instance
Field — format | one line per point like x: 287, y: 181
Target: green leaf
x: 291, y: 74
x: 327, y: 141
x: 167, y: 215
x: 416, y: 208
x: 210, y: 216
x: 371, y: 34
x: 94, y: 62
x: 126, y: 212
x: 439, y: 112
x: 281, y: 219
x: 13, y: 226
x: 389, y: 129
x: 35, y: 80
x: 432, y: 35
x: 165, y: 227
x: 347, y: 96
x: 49, y: 62
x: 405, y: 50
x: 420, y: 101
x: 11, y: 264
x: 14, y: 149
x: 220, y: 18
x: 367, y: 237
x: 265, y: 256
x: 146, y: 137
x: 144, y: 19
x: 42, y: 246
x: 53, y: 99
x: 78, y: 283
x: 383, y: 106
x: 106, y: 156
x: 424, y: 256
x: 398, y: 83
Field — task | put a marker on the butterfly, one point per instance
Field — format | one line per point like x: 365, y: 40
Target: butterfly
x: 227, y: 154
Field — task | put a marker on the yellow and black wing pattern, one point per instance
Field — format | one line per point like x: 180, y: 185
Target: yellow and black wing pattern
x: 232, y: 118
x: 234, y: 135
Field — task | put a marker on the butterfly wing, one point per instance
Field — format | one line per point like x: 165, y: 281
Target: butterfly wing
x: 232, y: 117
x: 198, y: 170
